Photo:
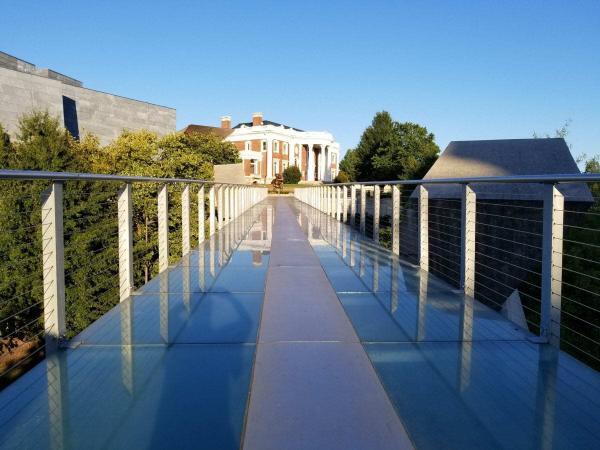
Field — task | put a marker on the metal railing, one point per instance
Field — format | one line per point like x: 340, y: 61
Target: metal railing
x: 45, y: 215
x: 526, y: 245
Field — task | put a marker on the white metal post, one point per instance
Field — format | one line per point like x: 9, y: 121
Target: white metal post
x: 396, y: 220
x: 211, y: 211
x: 226, y: 196
x: 185, y: 220
x: 353, y: 205
x: 125, y: 218
x: 423, y: 228
x: 467, y: 254
x: 220, y: 208
x: 338, y: 204
x: 552, y: 250
x: 55, y: 327
x: 163, y: 229
x: 201, y: 215
x: 363, y: 208
x: 345, y: 204
x: 376, y: 212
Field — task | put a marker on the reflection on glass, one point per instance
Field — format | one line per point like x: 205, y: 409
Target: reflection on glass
x: 127, y: 341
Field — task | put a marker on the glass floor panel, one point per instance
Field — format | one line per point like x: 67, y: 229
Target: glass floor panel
x: 460, y: 374
x: 169, y: 367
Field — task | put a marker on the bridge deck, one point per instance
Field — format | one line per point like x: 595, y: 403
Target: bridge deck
x: 288, y: 330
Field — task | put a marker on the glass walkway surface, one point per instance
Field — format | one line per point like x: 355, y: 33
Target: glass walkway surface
x: 288, y: 330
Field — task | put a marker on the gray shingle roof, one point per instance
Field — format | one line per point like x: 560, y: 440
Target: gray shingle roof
x: 504, y: 157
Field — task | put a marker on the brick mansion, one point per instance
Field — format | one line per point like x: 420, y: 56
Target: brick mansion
x: 268, y: 148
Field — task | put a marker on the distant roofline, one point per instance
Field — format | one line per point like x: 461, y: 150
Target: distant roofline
x: 89, y: 89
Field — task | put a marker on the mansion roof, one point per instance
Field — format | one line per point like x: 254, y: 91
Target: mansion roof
x: 267, y: 122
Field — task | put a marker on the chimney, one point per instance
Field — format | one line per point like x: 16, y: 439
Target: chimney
x: 257, y: 119
x: 226, y: 122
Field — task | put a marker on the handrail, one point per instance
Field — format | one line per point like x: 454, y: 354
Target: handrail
x: 558, y: 178
x: 6, y: 174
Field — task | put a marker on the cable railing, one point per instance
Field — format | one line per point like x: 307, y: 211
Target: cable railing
x: 73, y: 245
x: 526, y: 246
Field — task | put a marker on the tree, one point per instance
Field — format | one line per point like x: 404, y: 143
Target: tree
x: 349, y: 164
x: 389, y: 150
x: 292, y: 175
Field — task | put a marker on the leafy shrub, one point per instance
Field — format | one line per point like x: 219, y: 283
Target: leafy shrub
x: 292, y: 175
x: 342, y: 177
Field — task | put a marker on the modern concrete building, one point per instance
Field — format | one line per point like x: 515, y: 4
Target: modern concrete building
x: 25, y: 88
x: 267, y: 148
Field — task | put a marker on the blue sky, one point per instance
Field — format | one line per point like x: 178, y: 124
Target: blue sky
x: 464, y: 69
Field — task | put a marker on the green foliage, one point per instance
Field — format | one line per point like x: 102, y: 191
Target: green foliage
x: 349, y: 164
x: 90, y: 214
x: 389, y: 150
x: 341, y: 177
x: 292, y: 175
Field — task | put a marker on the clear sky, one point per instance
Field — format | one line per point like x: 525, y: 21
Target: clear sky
x: 464, y: 69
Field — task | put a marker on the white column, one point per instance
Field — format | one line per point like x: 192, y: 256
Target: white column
x: 55, y: 325
x: 321, y: 163
x: 125, y: 242
x: 269, y: 160
x: 311, y: 164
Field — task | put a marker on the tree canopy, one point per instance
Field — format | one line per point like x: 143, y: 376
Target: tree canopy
x: 90, y: 216
x: 391, y: 150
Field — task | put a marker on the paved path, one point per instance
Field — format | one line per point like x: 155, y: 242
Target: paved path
x: 313, y: 385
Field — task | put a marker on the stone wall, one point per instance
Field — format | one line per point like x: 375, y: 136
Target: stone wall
x: 102, y: 114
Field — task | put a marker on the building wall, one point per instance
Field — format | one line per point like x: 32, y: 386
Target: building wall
x: 104, y: 115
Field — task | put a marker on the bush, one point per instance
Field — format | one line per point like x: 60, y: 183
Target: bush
x: 342, y: 177
x: 292, y: 175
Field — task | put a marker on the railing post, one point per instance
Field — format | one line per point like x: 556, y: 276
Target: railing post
x: 353, y: 205
x: 125, y: 218
x: 345, y: 204
x: 396, y: 219
x: 55, y: 326
x: 423, y: 228
x: 220, y: 207
x: 552, y: 249
x: 376, y: 212
x: 163, y: 229
x: 211, y: 211
x: 467, y: 254
x: 363, y: 208
x: 201, y: 213
x: 185, y: 220
x: 338, y: 204
x: 226, y: 196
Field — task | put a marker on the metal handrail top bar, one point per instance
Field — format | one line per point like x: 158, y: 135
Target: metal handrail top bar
x: 564, y: 178
x: 6, y: 174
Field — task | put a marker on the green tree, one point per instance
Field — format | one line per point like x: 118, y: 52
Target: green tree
x: 389, y: 150
x: 292, y: 175
x: 349, y: 164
